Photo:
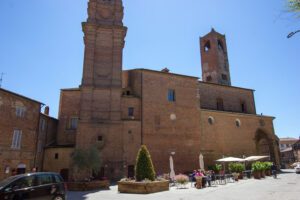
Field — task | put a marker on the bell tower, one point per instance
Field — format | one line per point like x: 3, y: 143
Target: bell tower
x: 100, y: 122
x: 104, y: 36
x: 214, y: 59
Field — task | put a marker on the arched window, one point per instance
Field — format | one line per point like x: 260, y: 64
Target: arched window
x: 220, y: 104
x: 220, y: 45
x: 207, y: 46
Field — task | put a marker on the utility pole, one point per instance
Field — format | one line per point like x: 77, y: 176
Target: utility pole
x: 1, y: 78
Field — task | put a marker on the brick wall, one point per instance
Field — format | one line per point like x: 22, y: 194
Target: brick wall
x: 224, y: 137
x: 232, y: 97
x: 69, y: 107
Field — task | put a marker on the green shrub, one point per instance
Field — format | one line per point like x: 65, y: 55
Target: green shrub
x: 268, y: 165
x: 258, y: 166
x: 236, y: 167
x: 144, y: 167
x: 217, y: 168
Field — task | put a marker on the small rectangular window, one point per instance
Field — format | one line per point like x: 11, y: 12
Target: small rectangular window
x: 73, y: 123
x: 208, y: 78
x: 16, y: 141
x: 39, y: 146
x: 43, y: 125
x: 220, y: 104
x: 224, y: 77
x: 130, y: 111
x: 171, y: 95
x: 243, y: 107
x: 56, y: 156
x: 20, y: 111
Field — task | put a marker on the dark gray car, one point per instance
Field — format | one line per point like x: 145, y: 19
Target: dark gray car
x: 43, y: 186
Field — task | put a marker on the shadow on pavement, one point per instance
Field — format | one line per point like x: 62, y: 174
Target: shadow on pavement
x: 81, y: 195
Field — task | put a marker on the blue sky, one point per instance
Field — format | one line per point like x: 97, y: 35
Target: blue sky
x: 42, y: 47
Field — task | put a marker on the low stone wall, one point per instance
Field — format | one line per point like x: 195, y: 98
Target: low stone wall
x: 143, y: 187
x: 88, y: 186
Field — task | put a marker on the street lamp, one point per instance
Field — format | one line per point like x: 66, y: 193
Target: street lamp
x: 292, y: 34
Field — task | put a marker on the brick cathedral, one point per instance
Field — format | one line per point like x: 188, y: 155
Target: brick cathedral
x: 170, y: 113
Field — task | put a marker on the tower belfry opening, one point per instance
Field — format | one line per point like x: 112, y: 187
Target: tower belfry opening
x: 214, y: 59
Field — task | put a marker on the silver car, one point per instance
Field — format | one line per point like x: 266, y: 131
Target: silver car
x: 297, y: 168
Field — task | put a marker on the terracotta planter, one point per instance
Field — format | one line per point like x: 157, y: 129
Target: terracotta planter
x: 263, y: 174
x: 88, y: 186
x: 143, y: 187
x: 257, y: 174
x: 268, y: 172
x: 241, y: 176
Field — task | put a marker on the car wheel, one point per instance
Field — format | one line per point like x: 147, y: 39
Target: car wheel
x: 58, y: 198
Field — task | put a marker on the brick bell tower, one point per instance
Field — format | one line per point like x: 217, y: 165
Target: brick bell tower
x: 214, y: 59
x: 100, y: 105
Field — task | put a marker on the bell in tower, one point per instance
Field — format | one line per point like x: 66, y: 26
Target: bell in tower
x: 214, y: 59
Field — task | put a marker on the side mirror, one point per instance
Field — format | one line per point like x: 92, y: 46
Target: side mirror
x: 8, y: 190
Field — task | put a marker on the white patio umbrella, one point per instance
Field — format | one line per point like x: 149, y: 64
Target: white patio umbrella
x: 255, y: 158
x: 172, y: 173
x: 231, y: 159
x: 201, y: 161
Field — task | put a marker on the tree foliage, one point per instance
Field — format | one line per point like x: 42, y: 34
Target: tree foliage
x: 144, y: 168
x: 87, y: 160
x: 294, y: 6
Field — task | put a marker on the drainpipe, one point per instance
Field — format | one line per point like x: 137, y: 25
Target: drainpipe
x: 142, y: 120
x: 37, y: 135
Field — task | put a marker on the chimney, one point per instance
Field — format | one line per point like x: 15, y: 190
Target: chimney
x: 166, y: 70
x: 46, y: 111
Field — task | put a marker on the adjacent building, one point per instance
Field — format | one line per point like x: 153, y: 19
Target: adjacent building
x: 23, y: 131
x: 287, y: 152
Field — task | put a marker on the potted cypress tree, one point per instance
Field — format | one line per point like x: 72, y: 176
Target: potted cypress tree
x: 145, y: 181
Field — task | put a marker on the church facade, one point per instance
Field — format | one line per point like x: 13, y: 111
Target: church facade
x: 172, y: 114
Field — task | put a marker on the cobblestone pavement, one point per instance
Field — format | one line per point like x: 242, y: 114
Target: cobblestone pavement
x: 285, y: 187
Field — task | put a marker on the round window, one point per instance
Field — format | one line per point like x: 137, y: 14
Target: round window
x: 211, y: 120
x: 238, y: 122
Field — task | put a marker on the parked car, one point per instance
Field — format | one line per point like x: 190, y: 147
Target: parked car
x: 297, y: 168
x: 42, y: 185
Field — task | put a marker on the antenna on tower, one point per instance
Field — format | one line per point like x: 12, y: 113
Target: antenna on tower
x: 1, y: 78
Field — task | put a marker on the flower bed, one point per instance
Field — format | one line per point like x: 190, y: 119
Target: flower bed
x: 182, y: 180
x: 142, y: 187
